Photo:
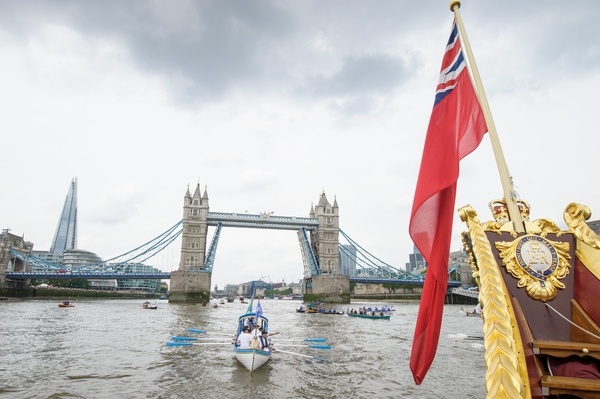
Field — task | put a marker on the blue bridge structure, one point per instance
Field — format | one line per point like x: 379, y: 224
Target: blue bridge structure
x: 332, y: 260
x: 366, y: 268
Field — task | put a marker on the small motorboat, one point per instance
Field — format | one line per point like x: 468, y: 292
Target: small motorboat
x: 65, y: 304
x: 148, y: 305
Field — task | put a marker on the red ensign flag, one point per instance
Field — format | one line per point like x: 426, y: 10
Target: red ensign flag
x: 455, y: 129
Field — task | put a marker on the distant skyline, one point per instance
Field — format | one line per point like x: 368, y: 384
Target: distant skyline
x: 268, y: 103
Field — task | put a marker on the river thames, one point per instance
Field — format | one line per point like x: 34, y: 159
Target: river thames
x: 116, y: 349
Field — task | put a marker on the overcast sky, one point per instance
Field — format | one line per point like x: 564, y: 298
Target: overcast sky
x: 267, y: 104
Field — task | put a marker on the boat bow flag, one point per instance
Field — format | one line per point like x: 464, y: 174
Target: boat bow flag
x: 259, y: 311
x: 456, y: 128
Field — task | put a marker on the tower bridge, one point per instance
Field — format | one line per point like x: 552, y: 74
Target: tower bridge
x: 318, y: 237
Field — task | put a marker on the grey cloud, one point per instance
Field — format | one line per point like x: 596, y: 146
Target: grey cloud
x: 360, y: 80
x: 202, y: 48
x: 362, y: 75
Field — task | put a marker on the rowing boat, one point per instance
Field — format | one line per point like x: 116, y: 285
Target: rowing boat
x: 247, y: 350
x: 369, y: 316
x: 319, y: 311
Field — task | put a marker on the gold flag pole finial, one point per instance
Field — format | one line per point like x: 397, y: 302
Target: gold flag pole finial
x: 509, y: 193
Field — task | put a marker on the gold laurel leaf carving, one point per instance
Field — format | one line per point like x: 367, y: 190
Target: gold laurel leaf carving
x: 505, y: 363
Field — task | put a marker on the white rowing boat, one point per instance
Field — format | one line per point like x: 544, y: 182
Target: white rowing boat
x: 251, y: 357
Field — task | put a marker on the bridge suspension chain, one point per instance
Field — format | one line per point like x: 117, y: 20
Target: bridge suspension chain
x: 371, y: 263
x: 148, y: 249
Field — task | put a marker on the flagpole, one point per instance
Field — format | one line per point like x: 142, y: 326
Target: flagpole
x: 507, y: 185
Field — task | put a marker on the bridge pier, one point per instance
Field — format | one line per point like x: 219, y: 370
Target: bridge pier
x: 190, y: 287
x: 329, y: 288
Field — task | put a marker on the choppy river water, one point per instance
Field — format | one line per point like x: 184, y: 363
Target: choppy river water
x: 116, y: 349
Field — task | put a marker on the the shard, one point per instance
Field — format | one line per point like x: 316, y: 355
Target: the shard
x: 66, y: 232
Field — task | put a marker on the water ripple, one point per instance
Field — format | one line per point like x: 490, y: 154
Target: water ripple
x: 115, y: 349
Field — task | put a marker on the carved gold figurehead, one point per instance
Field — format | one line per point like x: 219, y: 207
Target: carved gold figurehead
x: 539, y: 291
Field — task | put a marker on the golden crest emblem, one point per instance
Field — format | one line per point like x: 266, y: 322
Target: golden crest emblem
x: 538, y: 263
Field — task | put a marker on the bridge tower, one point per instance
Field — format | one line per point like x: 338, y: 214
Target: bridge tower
x: 9, y: 262
x: 330, y: 285
x: 191, y: 282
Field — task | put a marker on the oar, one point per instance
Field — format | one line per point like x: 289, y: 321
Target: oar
x: 180, y: 338
x: 315, y: 340
x: 200, y: 331
x: 300, y: 354
x: 188, y: 343
x: 179, y: 343
x: 311, y: 346
x: 305, y: 340
x: 463, y: 336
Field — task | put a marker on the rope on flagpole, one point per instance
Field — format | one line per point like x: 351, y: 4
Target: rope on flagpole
x: 507, y: 185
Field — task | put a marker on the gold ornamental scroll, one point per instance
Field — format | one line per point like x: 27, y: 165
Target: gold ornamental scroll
x: 504, y: 357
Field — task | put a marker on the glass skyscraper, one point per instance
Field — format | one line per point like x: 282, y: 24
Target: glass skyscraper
x: 66, y: 232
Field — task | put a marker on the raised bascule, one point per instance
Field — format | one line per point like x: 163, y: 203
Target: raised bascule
x: 318, y: 236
